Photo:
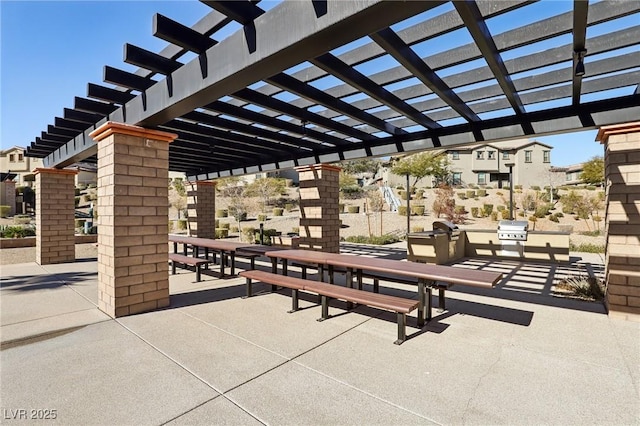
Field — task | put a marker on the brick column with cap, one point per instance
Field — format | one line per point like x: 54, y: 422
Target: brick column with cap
x: 319, y: 216
x: 201, y: 205
x: 622, y: 219
x: 55, y: 216
x: 133, y: 212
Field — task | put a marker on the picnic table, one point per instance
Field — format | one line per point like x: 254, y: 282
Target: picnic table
x: 425, y: 274
x: 226, y: 249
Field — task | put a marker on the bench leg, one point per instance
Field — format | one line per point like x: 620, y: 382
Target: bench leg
x: 402, y: 328
x: 376, y: 285
x: 294, y: 300
x: 325, y: 309
x: 303, y: 273
x: 249, y: 289
x: 441, y: 300
x: 233, y: 263
x: 253, y: 263
x: 173, y: 267
x: 198, y: 276
x: 349, y: 283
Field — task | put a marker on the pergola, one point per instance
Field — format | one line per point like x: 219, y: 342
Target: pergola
x: 313, y: 82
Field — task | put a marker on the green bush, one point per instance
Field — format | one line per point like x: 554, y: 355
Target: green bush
x: 559, y: 214
x: 222, y: 213
x: 587, y: 248
x: 222, y: 233
x: 462, y: 195
x: 505, y: 214
x: 535, y: 188
x: 517, y: 186
x: 500, y: 208
x: 182, y: 224
x: 277, y: 211
x: 474, y: 211
x: 288, y: 207
x: 459, y: 210
x: 471, y: 194
x: 487, y: 209
x: 374, y: 240
x: 554, y: 218
x: 402, y: 210
x: 262, y: 218
x: 226, y: 226
x: 4, y: 211
x: 353, y: 209
x: 542, y: 211
x: 16, y: 232
x: 494, y: 216
x: 234, y: 228
x: 482, y: 192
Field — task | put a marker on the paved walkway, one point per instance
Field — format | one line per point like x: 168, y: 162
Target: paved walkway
x: 514, y: 355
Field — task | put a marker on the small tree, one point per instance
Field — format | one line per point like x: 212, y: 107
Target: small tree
x: 375, y: 204
x: 593, y: 171
x: 178, y: 195
x: 445, y: 204
x: 348, y: 185
x: 265, y: 188
x: 238, y: 203
x: 421, y: 165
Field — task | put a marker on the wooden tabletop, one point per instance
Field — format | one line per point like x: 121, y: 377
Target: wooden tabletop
x: 208, y: 243
x: 426, y: 271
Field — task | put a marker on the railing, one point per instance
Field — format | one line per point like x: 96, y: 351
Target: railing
x: 390, y: 198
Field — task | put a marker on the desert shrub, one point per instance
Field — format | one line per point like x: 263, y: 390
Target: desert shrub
x: 471, y: 194
x: 222, y: 213
x: 542, y: 211
x: 517, y: 187
x: 295, y: 230
x: 341, y: 208
x: 472, y: 186
x: 4, y: 211
x: 225, y: 226
x: 417, y: 229
x: 21, y: 219
x: 402, y: 210
x: 589, y: 288
x: 494, y: 216
x: 417, y: 210
x: 554, y: 218
x: 222, y: 233
x: 462, y: 195
x: 277, y: 211
x: 500, y: 193
x: 474, y: 211
x: 182, y: 224
x: 374, y: 240
x: 500, y: 208
x: 590, y: 188
x: 482, y: 192
x: 505, y: 214
x: 487, y: 209
x: 535, y: 187
x: 459, y: 210
x: 522, y: 214
x: 353, y: 209
x: 262, y: 218
x: 351, y: 192
x: 559, y: 214
x: 288, y: 207
x: 444, y: 204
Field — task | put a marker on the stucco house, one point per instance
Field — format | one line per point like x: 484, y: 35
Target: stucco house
x: 14, y: 161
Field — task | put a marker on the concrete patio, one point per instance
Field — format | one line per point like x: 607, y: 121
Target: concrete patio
x: 514, y: 355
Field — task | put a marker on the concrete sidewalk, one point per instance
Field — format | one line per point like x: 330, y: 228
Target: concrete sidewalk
x: 514, y: 355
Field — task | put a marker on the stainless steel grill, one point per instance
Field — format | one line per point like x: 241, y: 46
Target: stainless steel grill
x: 449, y: 228
x: 513, y: 230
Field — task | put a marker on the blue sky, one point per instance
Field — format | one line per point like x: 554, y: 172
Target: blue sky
x: 50, y: 50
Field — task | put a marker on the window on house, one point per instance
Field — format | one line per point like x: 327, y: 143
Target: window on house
x: 482, y: 178
x: 527, y: 156
x: 12, y: 158
x: 505, y: 155
x: 457, y: 178
x: 491, y: 155
x: 546, y: 156
x: 20, y: 157
x: 568, y: 176
x: 479, y: 155
x: 455, y: 155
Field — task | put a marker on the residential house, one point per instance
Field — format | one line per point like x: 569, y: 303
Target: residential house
x: 13, y: 161
x: 488, y: 164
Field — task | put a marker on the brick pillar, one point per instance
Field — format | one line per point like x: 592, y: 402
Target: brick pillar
x: 55, y: 215
x: 133, y: 176
x: 201, y: 205
x: 622, y: 221
x: 9, y: 196
x: 319, y: 216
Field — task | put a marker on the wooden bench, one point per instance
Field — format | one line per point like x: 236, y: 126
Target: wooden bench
x: 187, y: 260
x: 399, y: 305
